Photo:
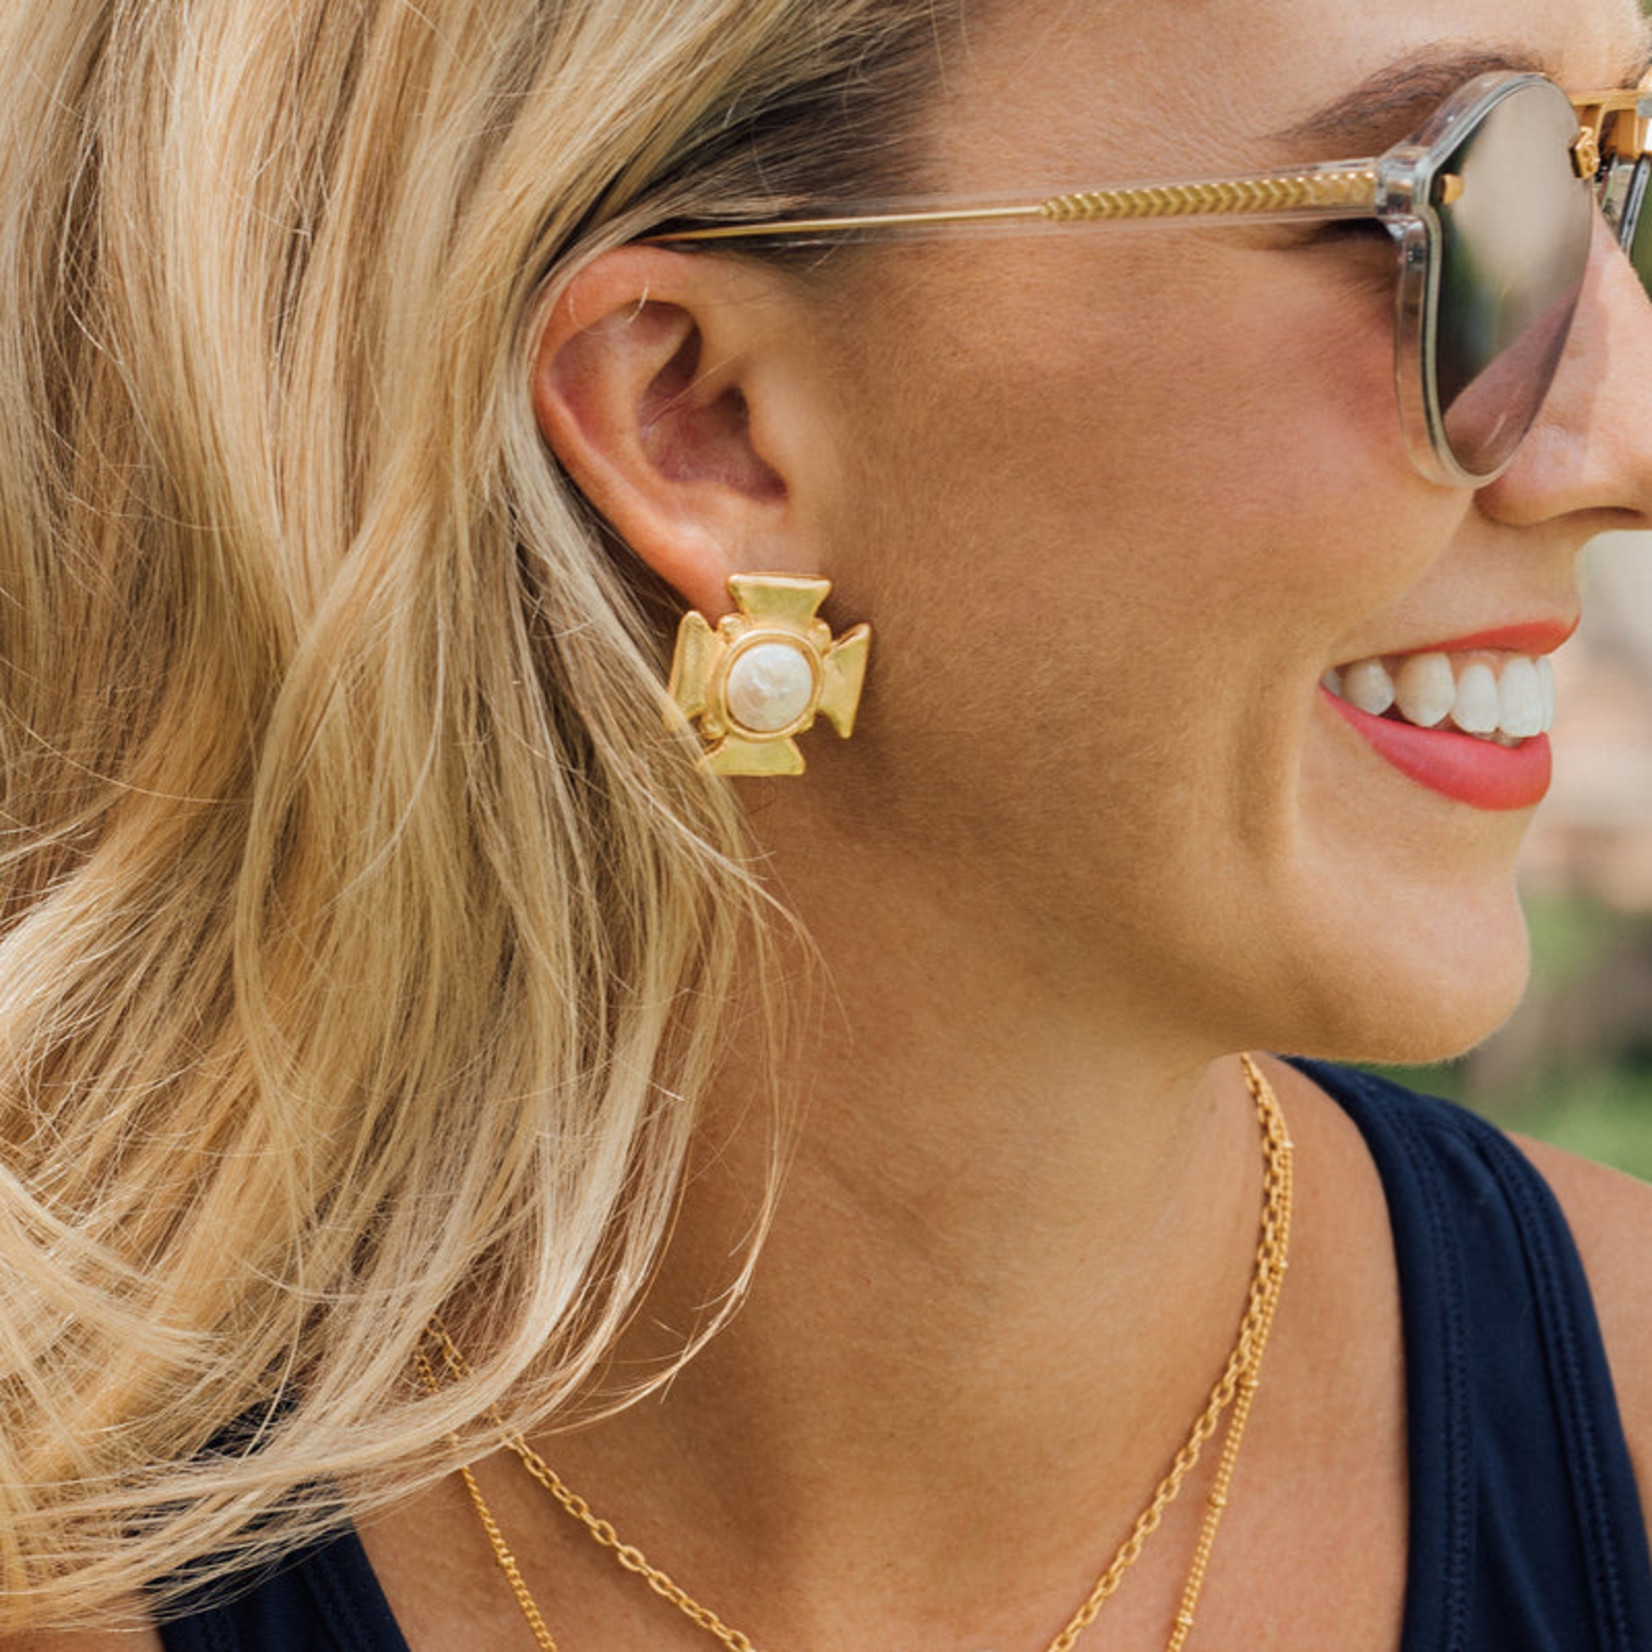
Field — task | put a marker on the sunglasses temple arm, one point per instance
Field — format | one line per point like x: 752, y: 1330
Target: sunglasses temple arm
x: 1340, y: 189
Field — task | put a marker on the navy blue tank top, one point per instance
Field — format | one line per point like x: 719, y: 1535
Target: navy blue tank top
x: 1525, y: 1533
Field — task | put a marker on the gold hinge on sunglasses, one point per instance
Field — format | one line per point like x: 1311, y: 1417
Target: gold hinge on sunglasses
x: 1585, y: 154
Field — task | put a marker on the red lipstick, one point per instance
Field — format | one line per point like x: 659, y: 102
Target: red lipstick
x: 1477, y: 772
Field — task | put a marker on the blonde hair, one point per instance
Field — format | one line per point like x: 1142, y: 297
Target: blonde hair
x: 366, y: 936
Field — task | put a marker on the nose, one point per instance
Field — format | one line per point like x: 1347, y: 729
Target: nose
x: 1589, y: 455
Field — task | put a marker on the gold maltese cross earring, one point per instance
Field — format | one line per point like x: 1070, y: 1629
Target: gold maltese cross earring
x: 765, y: 673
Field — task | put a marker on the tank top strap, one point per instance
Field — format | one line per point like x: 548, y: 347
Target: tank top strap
x: 321, y: 1599
x: 1526, y: 1530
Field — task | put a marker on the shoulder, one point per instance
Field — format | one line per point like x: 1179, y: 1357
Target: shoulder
x: 139, y: 1638
x: 136, y: 1634
x: 1610, y: 1215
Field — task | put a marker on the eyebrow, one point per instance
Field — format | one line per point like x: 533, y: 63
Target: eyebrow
x: 1391, y: 102
x: 1388, y: 104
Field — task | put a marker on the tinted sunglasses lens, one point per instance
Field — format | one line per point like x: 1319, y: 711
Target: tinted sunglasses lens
x: 1513, y: 247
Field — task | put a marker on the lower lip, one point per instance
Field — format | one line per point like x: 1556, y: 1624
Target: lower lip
x: 1479, y: 773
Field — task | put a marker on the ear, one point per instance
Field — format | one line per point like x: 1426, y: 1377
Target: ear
x: 671, y: 387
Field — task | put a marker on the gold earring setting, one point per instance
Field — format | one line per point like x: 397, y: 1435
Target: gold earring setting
x: 765, y: 672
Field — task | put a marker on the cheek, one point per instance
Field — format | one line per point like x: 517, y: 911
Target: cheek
x: 1252, y: 427
x: 1110, y: 548
x: 1181, y: 392
x: 1132, y: 461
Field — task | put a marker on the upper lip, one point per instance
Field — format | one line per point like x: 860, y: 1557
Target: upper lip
x: 1539, y: 636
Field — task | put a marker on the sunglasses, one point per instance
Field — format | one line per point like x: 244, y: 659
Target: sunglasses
x: 1492, y: 206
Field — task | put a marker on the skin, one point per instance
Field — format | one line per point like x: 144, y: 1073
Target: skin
x: 1114, y: 502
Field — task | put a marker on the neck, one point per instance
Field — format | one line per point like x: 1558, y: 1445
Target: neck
x: 1011, y: 1251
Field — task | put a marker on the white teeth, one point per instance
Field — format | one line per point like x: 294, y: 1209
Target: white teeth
x: 1502, y: 697
x: 1424, y: 689
x: 1520, y: 699
x: 1477, y: 708
x: 1367, y: 686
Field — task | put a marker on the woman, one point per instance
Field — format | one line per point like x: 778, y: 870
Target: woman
x: 414, y: 1034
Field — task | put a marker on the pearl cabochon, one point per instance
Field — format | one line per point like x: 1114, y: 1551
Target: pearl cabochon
x: 770, y: 686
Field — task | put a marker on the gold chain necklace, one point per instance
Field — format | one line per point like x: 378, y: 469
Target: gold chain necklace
x: 1236, y: 1387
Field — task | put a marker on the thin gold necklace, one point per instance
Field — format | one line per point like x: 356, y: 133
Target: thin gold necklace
x: 1235, y: 1388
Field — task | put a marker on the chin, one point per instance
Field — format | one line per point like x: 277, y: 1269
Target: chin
x: 1415, y: 999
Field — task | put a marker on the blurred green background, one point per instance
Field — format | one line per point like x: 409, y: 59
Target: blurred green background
x: 1574, y: 1064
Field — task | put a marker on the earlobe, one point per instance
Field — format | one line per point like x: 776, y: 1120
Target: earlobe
x: 643, y: 384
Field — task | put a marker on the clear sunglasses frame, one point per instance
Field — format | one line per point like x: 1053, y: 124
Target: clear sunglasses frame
x: 1404, y: 188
